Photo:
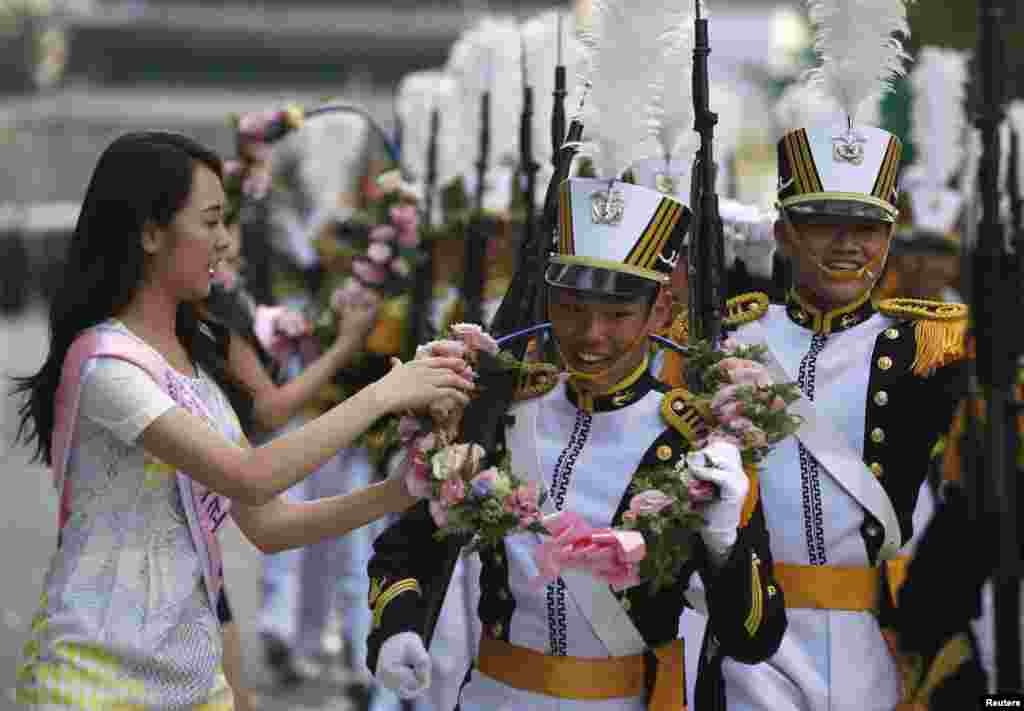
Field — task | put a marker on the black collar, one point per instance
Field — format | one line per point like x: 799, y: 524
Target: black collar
x: 841, y: 319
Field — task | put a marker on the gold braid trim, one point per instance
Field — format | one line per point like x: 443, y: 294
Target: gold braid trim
x: 383, y: 599
x: 753, y: 621
x: 746, y: 308
x: 539, y: 379
x: 940, y: 330
x: 680, y: 413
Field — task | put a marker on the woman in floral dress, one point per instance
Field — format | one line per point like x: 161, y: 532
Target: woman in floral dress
x: 148, y: 456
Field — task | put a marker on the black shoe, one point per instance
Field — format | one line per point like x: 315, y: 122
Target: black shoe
x: 361, y: 696
x: 278, y: 657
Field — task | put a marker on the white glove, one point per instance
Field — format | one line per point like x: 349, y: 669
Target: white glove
x: 403, y: 665
x: 721, y: 464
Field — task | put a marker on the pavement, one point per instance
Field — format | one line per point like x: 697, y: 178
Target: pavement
x: 28, y: 515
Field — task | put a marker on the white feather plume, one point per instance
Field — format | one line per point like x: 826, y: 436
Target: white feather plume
x: 419, y: 93
x: 857, y: 44
x: 671, y: 109
x: 621, y: 52
x: 938, y: 117
x: 1014, y: 122
x: 807, y: 105
x: 540, y: 39
x: 488, y: 58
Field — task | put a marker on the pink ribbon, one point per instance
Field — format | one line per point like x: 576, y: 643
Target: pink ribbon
x: 607, y: 554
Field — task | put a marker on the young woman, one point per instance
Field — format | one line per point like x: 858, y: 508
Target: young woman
x: 148, y: 454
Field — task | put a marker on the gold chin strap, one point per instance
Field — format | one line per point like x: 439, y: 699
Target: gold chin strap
x: 870, y: 272
x: 575, y: 376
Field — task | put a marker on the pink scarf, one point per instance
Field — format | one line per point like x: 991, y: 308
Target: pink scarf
x: 204, y: 509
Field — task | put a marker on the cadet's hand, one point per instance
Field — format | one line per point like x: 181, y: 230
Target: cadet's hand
x: 404, y: 665
x: 721, y: 464
x: 419, y: 383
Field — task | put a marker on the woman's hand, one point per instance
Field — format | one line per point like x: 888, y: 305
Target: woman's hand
x: 418, y: 384
x: 357, y: 317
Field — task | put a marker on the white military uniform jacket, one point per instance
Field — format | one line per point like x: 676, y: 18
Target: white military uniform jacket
x: 856, y: 368
x: 586, y: 457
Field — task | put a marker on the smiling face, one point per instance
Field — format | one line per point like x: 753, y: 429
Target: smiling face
x: 834, y: 264
x: 604, y: 339
x: 183, y: 254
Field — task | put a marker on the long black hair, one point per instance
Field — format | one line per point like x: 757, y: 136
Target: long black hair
x: 143, y: 177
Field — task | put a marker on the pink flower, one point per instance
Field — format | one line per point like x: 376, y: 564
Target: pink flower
x: 252, y: 126
x: 724, y: 396
x: 475, y: 338
x: 629, y: 517
x: 292, y: 324
x: 425, y: 443
x: 232, y: 168
x: 745, y: 372
x: 649, y: 502
x: 383, y: 233
x: 417, y: 481
x: 777, y: 404
x: 226, y: 278
x: 256, y: 184
x: 457, y: 460
x: 701, y: 491
x: 441, y: 349
x: 439, y: 513
x: 453, y: 490
x: 379, y: 253
x: 403, y: 217
x: 730, y: 410
x: 368, y: 272
x: 409, y: 428
x: 730, y: 346
x: 523, y: 503
x: 409, y: 239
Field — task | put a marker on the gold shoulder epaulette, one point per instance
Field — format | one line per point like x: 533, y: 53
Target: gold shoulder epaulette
x: 746, y: 308
x: 678, y: 410
x: 539, y: 379
x: 940, y: 330
x: 916, y: 309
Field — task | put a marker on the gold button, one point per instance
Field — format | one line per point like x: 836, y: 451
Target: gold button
x: 878, y: 435
x: 771, y: 591
x: 892, y: 334
x: 881, y: 398
x: 498, y: 630
x: 677, y: 406
x: 876, y: 469
x: 626, y: 604
x: 664, y: 452
x: 885, y: 362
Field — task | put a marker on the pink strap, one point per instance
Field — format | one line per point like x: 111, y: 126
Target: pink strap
x: 204, y: 509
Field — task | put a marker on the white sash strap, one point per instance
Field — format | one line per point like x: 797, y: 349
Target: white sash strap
x: 832, y: 451
x: 608, y: 619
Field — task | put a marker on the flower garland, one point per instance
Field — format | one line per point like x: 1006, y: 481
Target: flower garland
x: 465, y: 499
x: 739, y: 404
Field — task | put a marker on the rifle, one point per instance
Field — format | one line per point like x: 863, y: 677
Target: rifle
x: 476, y: 231
x: 485, y: 418
x: 527, y: 165
x: 418, y: 326
x: 994, y: 298
x: 706, y: 267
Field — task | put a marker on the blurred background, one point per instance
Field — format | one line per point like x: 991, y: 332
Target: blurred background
x: 74, y: 74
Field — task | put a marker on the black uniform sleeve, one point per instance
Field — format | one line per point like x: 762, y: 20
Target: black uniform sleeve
x: 405, y: 570
x: 746, y: 609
